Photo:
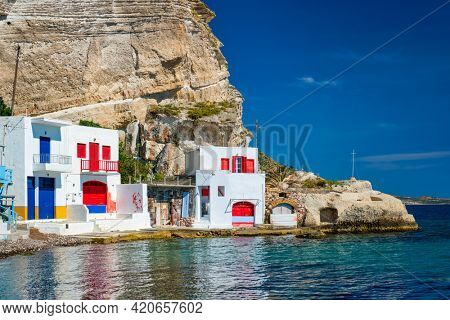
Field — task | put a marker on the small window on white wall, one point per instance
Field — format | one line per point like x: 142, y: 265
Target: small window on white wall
x: 221, y: 191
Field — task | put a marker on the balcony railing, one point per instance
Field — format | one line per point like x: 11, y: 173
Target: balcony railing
x: 99, y: 165
x: 52, y: 158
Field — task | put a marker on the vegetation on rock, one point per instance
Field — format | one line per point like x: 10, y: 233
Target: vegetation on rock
x: 277, y: 175
x: 203, y: 109
x: 320, y: 184
x: 168, y: 110
x: 5, y: 111
x: 207, y: 109
x: 133, y: 170
x: 159, y: 176
x: 89, y: 123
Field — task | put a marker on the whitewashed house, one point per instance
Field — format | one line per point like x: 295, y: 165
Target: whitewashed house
x: 229, y: 187
x: 68, y: 173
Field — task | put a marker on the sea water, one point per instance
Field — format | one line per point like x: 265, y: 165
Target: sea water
x: 412, y: 265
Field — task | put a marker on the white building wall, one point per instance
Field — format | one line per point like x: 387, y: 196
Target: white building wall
x: 21, y: 136
x: 132, y: 198
x: 238, y: 188
x: 86, y: 135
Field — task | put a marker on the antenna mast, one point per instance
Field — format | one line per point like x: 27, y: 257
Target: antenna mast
x: 257, y: 129
x: 353, y: 164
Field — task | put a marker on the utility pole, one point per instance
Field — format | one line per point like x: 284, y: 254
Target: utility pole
x: 353, y: 164
x: 13, y: 99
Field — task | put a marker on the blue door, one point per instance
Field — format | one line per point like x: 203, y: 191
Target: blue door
x: 46, y: 198
x: 31, y: 194
x: 44, y: 149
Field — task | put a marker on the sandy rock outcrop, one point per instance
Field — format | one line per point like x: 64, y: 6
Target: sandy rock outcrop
x: 350, y: 206
x: 369, y: 210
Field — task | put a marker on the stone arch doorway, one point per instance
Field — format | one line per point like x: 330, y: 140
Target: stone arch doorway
x: 283, y: 208
x: 284, y: 213
x: 328, y: 215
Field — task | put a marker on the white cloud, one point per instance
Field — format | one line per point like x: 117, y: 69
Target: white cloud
x: 311, y: 81
x: 406, y: 157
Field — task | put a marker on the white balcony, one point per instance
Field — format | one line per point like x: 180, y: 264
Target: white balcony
x: 52, y: 163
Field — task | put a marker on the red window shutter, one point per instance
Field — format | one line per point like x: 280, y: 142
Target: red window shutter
x: 205, y: 192
x: 250, y: 166
x: 244, y: 164
x: 81, y: 150
x: 234, y: 164
x: 225, y: 164
x: 106, y: 152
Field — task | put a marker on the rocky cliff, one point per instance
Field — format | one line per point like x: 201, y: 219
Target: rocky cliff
x: 78, y: 52
x: 118, y: 62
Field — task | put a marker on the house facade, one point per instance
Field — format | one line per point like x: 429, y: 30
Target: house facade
x: 57, y: 164
x: 229, y: 187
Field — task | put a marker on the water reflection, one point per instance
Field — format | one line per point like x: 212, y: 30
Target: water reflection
x: 98, y: 276
x: 40, y: 277
x: 341, y: 267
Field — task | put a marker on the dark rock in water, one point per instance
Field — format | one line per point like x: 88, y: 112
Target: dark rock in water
x: 312, y: 235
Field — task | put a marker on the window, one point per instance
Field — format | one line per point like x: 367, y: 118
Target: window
x: 243, y: 165
x: 225, y: 164
x: 221, y: 191
x: 81, y: 150
x: 238, y: 164
x: 106, y: 152
x: 205, y: 192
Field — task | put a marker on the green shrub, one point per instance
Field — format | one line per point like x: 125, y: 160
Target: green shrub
x: 314, y: 184
x: 89, y: 123
x: 227, y: 105
x: 320, y: 184
x: 332, y: 183
x: 132, y: 169
x: 203, y: 109
x: 169, y: 110
x: 5, y: 111
x: 159, y: 176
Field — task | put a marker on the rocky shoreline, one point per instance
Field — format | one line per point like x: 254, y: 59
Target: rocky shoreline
x: 39, y: 241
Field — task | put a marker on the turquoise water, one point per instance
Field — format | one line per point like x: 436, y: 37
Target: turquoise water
x: 414, y: 265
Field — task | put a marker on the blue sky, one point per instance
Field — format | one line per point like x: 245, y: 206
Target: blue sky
x: 393, y: 108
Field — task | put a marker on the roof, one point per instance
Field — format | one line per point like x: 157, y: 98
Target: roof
x: 51, y: 122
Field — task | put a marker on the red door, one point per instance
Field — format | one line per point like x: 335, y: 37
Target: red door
x: 94, y: 157
x: 95, y: 196
x: 243, y: 214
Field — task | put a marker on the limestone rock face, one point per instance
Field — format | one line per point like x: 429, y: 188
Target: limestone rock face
x: 112, y: 61
x: 78, y: 52
x: 165, y: 140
